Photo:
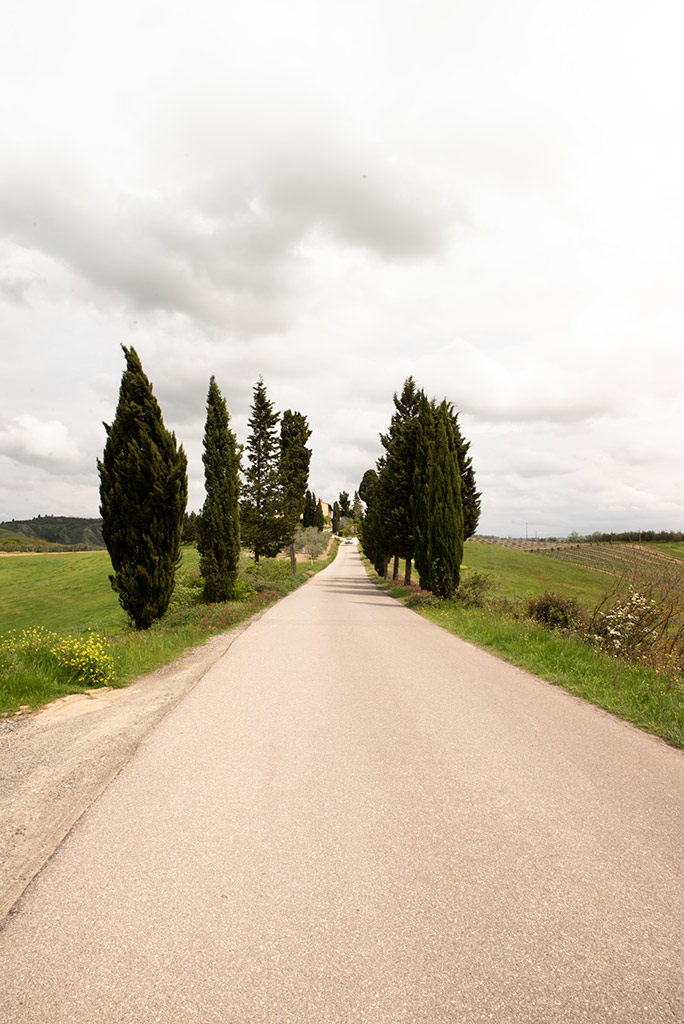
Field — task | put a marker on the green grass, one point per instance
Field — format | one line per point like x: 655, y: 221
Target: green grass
x: 526, y: 574
x: 70, y: 595
x: 62, y: 592
x: 652, y: 700
x: 674, y: 549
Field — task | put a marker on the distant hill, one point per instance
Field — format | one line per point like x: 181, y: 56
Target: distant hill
x: 51, y: 533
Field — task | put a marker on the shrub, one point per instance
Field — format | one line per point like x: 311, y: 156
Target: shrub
x: 554, y: 611
x: 474, y: 589
x: 631, y: 628
x: 270, y: 569
x: 421, y: 599
x: 84, y: 661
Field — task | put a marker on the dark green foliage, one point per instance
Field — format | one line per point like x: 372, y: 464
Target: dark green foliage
x: 189, y: 534
x: 438, y: 522
x: 397, y: 472
x: 345, y: 506
x: 474, y: 589
x: 319, y: 518
x: 408, y: 516
x: 367, y: 486
x: 218, y: 528
x: 335, y: 516
x: 294, y: 474
x: 309, y: 513
x: 143, y: 493
x: 263, y: 527
x: 470, y: 496
x: 554, y: 610
x: 371, y: 528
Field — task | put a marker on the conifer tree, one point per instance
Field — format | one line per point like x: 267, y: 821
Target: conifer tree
x: 262, y: 524
x: 437, y: 509
x: 470, y: 496
x: 319, y: 518
x: 335, y: 516
x: 309, y: 514
x: 218, y: 528
x: 396, y: 475
x: 345, y: 506
x: 143, y: 495
x: 372, y: 523
x: 294, y: 474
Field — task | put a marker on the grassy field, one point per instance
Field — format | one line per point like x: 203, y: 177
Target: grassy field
x: 46, y: 599
x: 524, y: 573
x: 63, y: 592
x: 649, y: 696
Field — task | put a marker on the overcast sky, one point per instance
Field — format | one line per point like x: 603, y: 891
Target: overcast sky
x: 485, y: 194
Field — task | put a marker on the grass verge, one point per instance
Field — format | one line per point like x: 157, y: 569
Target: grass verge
x: 64, y: 632
x: 651, y: 699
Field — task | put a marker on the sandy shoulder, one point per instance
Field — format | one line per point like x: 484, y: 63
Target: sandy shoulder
x: 54, y: 763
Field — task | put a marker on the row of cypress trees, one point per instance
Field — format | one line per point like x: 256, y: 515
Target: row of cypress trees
x: 421, y: 500
x: 143, y: 493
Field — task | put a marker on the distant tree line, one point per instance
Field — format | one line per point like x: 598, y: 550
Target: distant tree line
x: 421, y: 498
x: 628, y: 537
x: 143, y: 494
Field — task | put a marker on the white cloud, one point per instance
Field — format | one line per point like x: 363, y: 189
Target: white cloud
x: 45, y: 443
x: 486, y: 196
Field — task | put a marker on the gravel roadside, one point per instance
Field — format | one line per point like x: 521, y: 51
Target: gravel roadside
x: 55, y: 762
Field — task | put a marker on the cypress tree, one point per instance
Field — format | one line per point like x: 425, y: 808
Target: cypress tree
x: 336, y: 516
x: 294, y: 473
x: 345, y: 506
x: 396, y: 476
x: 470, y: 496
x: 437, y: 508
x: 309, y: 509
x: 372, y: 522
x: 425, y: 443
x: 143, y: 494
x: 319, y: 518
x: 218, y: 529
x: 262, y: 525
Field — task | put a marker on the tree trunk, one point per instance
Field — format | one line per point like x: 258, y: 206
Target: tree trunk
x: 293, y: 559
x: 395, y: 570
x: 407, y: 574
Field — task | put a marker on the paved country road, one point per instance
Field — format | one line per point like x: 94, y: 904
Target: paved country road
x: 354, y: 816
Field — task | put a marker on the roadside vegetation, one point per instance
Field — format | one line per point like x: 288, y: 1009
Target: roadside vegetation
x: 610, y: 638
x: 65, y: 632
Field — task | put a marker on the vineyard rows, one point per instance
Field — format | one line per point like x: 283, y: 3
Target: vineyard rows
x: 637, y: 564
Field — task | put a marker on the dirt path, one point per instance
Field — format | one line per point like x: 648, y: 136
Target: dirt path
x: 54, y: 763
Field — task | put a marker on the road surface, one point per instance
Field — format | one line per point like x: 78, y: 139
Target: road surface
x: 355, y: 816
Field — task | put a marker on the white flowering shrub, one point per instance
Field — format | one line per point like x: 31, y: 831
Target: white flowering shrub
x: 631, y: 628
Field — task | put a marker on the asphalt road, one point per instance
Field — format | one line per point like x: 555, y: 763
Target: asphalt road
x: 354, y: 816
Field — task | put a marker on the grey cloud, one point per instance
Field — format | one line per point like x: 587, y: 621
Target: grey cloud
x: 45, y: 443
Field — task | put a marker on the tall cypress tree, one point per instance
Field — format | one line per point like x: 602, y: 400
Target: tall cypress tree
x: 345, y: 505
x: 294, y: 473
x: 218, y: 529
x: 437, y: 508
x: 373, y: 522
x: 309, y: 514
x: 425, y: 445
x: 397, y: 472
x: 262, y: 525
x: 143, y: 494
x: 470, y: 496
